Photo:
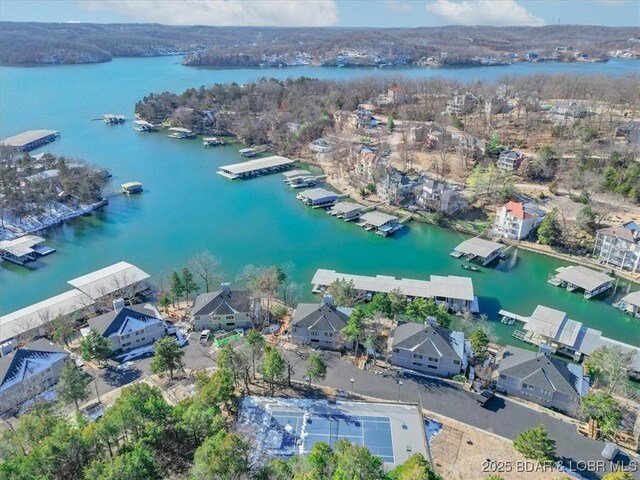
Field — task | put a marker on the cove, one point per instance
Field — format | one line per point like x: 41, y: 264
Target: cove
x: 187, y: 208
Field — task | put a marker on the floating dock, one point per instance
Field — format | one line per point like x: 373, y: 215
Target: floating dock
x: 111, y: 119
x: 144, y: 126
x: 592, y: 282
x: 254, y: 168
x: 180, y: 133
x: 484, y: 251
x: 30, y: 140
x: 23, y: 250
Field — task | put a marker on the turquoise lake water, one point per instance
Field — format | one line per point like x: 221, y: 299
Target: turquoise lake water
x: 187, y: 208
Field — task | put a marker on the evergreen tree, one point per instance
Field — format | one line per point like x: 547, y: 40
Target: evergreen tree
x: 256, y: 342
x: 176, y: 288
x: 73, y: 384
x: 188, y: 284
x: 354, y: 330
x: 167, y: 357
x: 273, y: 367
x: 316, y: 368
x: 63, y: 330
x: 604, y: 409
x: 95, y: 347
x: 479, y: 341
x: 549, y: 231
x: 535, y: 444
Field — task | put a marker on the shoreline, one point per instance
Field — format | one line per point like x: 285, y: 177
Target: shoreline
x: 524, y: 244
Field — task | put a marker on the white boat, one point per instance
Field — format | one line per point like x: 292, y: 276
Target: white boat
x: 179, y: 133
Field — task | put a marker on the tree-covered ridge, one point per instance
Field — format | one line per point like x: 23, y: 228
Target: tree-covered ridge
x: 22, y: 42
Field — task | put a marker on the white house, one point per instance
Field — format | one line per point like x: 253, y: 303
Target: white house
x: 619, y: 246
x: 224, y: 309
x: 29, y: 371
x: 131, y: 327
x: 516, y: 220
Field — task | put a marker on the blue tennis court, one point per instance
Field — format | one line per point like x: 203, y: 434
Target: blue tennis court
x: 369, y: 431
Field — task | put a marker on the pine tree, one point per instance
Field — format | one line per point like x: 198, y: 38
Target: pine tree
x: 167, y: 357
x: 176, y: 288
x: 73, y: 384
x: 95, y: 347
x: 188, y: 284
x: 535, y: 444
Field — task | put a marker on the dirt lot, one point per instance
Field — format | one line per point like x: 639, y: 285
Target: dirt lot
x: 464, y: 453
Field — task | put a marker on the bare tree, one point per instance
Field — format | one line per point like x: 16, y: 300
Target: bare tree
x: 205, y: 266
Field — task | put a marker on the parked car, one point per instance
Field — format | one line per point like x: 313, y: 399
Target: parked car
x: 610, y: 451
x: 484, y: 397
x: 204, y: 336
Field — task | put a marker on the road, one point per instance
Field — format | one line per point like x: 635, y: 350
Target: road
x: 502, y: 417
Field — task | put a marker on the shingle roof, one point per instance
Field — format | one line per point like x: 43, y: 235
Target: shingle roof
x: 628, y: 231
x: 222, y: 303
x: 542, y: 371
x: 321, y: 317
x: 112, y: 322
x: 11, y: 364
x: 426, y: 340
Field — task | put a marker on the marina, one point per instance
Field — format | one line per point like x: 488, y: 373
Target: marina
x: 590, y: 281
x: 30, y: 140
x: 180, y: 133
x: 455, y: 293
x: 254, y: 168
x: 300, y: 179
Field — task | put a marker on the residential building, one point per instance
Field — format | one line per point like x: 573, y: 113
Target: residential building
x: 29, y: 371
x: 516, y: 220
x: 128, y: 328
x: 461, y: 104
x: 437, y: 196
x: 395, y: 187
x: 224, y: 309
x: 630, y: 132
x: 541, y: 379
x: 320, y: 145
x: 509, y: 160
x: 318, y: 325
x: 619, y: 246
x: 429, y: 349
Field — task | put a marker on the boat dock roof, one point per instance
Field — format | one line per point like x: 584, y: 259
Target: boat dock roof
x: 21, y: 246
x: 315, y: 194
x: 143, y: 123
x: 246, y: 150
x: 583, y: 277
x: 633, y: 298
x: 245, y: 168
x: 346, y: 207
x: 447, y: 287
x: 36, y: 315
x: 25, y: 138
x: 108, y: 280
x: 180, y: 129
x: 291, y: 174
x: 377, y: 219
x: 479, y: 247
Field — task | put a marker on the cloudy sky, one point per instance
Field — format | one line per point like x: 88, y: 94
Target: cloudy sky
x: 360, y: 13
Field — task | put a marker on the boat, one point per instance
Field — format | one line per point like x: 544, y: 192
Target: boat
x: 179, y: 133
x: 131, y: 187
x: 248, y: 152
x: 472, y: 268
x: 212, y: 141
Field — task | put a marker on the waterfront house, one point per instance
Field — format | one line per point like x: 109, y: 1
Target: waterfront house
x: 509, y: 160
x: 437, y: 196
x: 395, y: 187
x: 128, y: 328
x: 630, y: 303
x: 320, y: 145
x: 453, y: 292
x: 318, y: 325
x: 224, y: 309
x: 429, y: 349
x: 541, y: 379
x: 461, y: 104
x: 619, y: 246
x: 318, y: 197
x: 381, y: 223
x: 516, y: 220
x: 578, y: 277
x: 29, y: 371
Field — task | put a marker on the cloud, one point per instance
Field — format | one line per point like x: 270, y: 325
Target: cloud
x: 483, y: 12
x: 221, y: 12
x: 398, y: 6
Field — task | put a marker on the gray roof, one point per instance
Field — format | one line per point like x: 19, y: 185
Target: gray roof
x: 222, y: 303
x: 378, y: 219
x: 479, y: 246
x: 426, y: 340
x: 11, y: 364
x: 633, y: 298
x: 112, y: 322
x: 22, y: 245
x: 25, y: 138
x: 583, y: 277
x: 346, y: 207
x: 257, y: 164
x: 629, y: 232
x: 540, y: 371
x: 315, y: 194
x: 109, y: 279
x: 321, y: 317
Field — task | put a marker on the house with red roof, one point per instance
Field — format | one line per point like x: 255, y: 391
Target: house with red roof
x: 516, y: 220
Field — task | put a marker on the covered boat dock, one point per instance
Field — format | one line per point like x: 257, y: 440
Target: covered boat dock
x: 24, y: 249
x: 318, y: 197
x: 383, y: 224
x: 484, y: 251
x: 579, y: 277
x: 630, y: 303
x: 109, y: 280
x: 253, y: 168
x: 30, y: 140
x: 346, y: 210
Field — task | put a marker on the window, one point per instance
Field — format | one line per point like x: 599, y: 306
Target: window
x: 330, y: 334
x: 528, y: 387
x: 433, y: 359
x: 126, y: 344
x: 138, y: 332
x: 294, y: 329
x: 396, y: 350
x: 230, y: 324
x: 456, y: 362
x: 416, y: 355
x: 417, y: 364
x: 313, y: 333
x: 326, y: 334
x: 230, y: 317
x: 432, y: 367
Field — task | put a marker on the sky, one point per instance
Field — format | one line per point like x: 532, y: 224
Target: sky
x: 339, y: 13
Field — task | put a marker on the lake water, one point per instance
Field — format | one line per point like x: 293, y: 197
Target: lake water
x: 187, y: 208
